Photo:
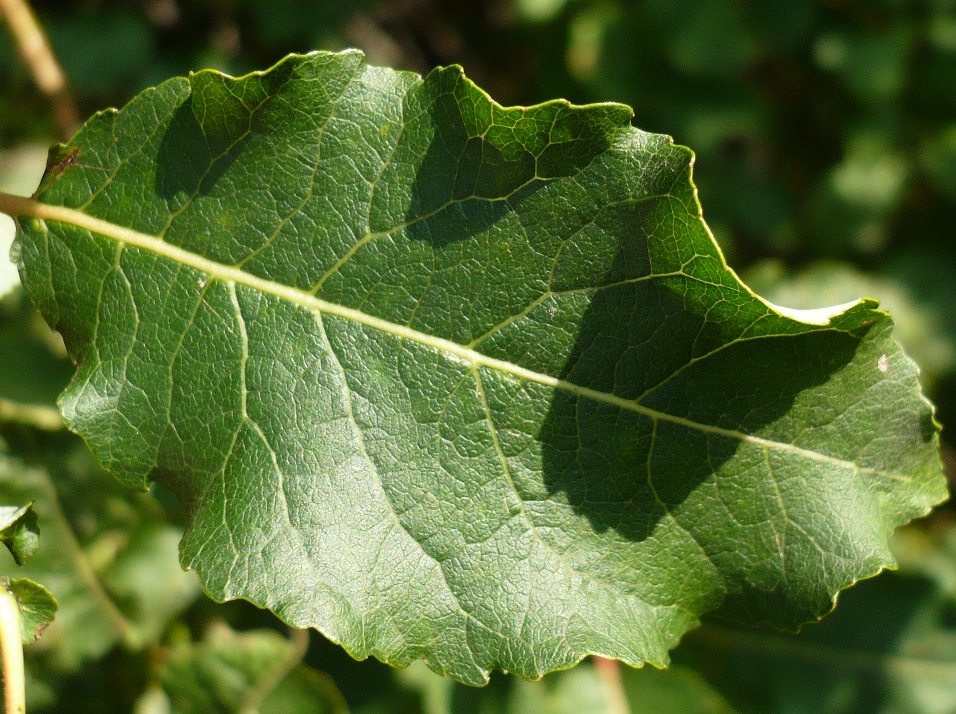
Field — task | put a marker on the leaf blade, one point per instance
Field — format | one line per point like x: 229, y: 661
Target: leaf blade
x: 402, y: 358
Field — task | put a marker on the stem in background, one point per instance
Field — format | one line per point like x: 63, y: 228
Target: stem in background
x: 11, y: 644
x: 35, y: 50
x: 127, y: 633
x: 609, y: 670
x: 36, y: 415
x: 300, y: 643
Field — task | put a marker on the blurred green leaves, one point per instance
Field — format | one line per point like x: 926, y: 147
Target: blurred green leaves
x: 592, y: 687
x: 233, y: 673
x: 107, y: 555
x: 890, y: 647
x: 20, y: 533
x: 938, y: 158
x: 811, y: 102
x: 819, y: 130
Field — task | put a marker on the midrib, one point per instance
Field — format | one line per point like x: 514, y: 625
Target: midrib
x: 225, y: 273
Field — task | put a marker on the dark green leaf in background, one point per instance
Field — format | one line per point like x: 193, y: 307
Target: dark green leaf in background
x: 676, y: 689
x: 453, y: 381
x: 890, y: 647
x: 110, y: 562
x: 242, y: 672
x: 582, y: 690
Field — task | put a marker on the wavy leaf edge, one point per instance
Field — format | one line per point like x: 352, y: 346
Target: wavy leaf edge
x: 850, y: 317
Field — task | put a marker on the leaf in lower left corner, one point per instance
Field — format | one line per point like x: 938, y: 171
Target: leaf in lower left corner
x: 37, y: 607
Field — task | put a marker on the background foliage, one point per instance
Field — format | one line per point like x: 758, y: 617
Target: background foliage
x: 825, y: 135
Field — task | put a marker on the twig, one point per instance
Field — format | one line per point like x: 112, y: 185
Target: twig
x: 11, y: 643
x: 609, y: 671
x: 36, y: 415
x: 35, y: 50
x: 300, y: 645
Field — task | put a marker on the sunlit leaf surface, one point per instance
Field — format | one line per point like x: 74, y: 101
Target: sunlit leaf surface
x: 461, y: 382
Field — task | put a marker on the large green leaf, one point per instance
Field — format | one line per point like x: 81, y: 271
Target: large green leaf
x: 453, y: 381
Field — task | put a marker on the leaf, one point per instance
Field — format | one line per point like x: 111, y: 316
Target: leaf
x: 38, y: 607
x: 581, y: 690
x: 35, y: 368
x: 889, y: 647
x: 924, y: 328
x: 111, y: 563
x: 19, y: 531
x: 460, y: 382
x: 676, y: 689
x: 245, y: 672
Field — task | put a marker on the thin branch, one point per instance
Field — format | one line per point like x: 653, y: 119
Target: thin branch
x: 609, y: 670
x: 299, y: 639
x: 126, y: 631
x: 12, y: 645
x: 36, y: 415
x: 35, y: 50
x: 15, y: 206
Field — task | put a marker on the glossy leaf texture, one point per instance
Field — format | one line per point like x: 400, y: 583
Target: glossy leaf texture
x: 460, y: 382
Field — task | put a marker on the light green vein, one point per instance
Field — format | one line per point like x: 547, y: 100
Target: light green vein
x: 467, y: 355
